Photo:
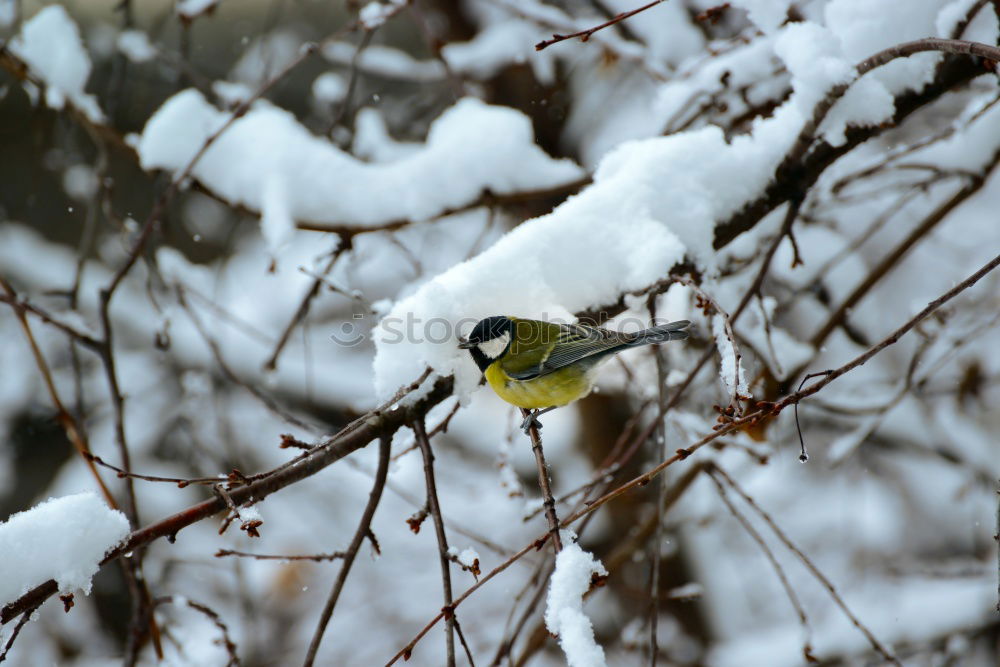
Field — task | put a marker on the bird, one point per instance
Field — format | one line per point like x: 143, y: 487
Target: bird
x: 541, y: 366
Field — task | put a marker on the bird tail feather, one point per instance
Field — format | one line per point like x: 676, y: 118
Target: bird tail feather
x: 662, y: 334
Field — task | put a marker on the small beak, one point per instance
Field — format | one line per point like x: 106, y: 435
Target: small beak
x: 465, y: 345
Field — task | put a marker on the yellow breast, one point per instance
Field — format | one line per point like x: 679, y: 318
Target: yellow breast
x: 555, y: 389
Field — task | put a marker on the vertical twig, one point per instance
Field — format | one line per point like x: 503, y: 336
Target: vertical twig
x: 364, y: 529
x: 661, y: 492
x: 543, y: 481
x: 435, y: 508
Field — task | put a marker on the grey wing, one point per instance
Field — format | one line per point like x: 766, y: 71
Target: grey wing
x: 576, y: 342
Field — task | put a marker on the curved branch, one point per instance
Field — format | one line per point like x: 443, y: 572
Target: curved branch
x: 802, y: 167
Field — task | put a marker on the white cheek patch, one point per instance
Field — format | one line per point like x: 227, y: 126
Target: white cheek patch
x: 495, y: 347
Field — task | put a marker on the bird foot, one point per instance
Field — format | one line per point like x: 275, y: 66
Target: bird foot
x: 529, y: 421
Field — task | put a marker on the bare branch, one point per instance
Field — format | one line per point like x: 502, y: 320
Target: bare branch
x: 363, y: 531
x: 584, y: 35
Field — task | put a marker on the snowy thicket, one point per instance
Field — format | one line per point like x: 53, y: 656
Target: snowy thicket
x: 231, y: 231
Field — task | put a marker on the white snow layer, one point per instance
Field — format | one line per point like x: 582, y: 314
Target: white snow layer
x: 50, y: 44
x: 765, y: 14
x: 63, y: 539
x: 190, y: 9
x: 270, y: 163
x: 375, y: 13
x: 564, y: 615
x: 136, y: 46
x: 652, y: 203
x: 730, y: 368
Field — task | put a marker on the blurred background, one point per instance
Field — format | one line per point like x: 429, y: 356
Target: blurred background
x: 223, y: 342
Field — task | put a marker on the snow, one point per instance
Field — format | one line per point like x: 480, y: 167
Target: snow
x: 510, y: 42
x: 80, y: 182
x: 232, y: 93
x: 191, y: 9
x: 8, y: 12
x: 270, y: 163
x: 136, y: 46
x: 467, y: 557
x: 564, y: 604
x: 813, y: 56
x: 50, y: 44
x: 732, y: 373
x: 652, y: 203
x: 885, y: 503
x: 905, y: 621
x: 329, y: 88
x: 376, y: 13
x: 63, y: 539
x: 384, y: 61
x: 864, y: 28
x: 372, y: 141
x: 766, y: 14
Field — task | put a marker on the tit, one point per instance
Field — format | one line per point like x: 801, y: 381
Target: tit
x: 541, y: 366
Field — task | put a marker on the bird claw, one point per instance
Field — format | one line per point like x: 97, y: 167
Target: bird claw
x: 529, y: 421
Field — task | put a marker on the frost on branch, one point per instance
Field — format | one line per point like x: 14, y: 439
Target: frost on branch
x: 63, y: 539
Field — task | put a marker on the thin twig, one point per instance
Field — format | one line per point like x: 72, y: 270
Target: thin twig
x: 344, y: 244
x: 584, y: 35
x: 227, y: 641
x: 319, y: 558
x: 351, y: 438
x: 25, y: 617
x: 891, y: 259
x: 543, y: 482
x: 780, y: 534
x: 364, y: 529
x: 434, y: 506
x: 767, y: 410
x: 800, y: 611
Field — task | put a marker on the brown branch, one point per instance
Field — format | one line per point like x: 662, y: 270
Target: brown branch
x: 364, y: 530
x: 303, y: 309
x: 767, y: 410
x: 70, y: 426
x: 181, y: 482
x: 486, y: 199
x: 353, y: 437
x: 434, y: 507
x: 713, y: 473
x: 543, y: 482
x: 584, y: 35
x: 25, y: 617
x: 893, y: 337
x: 227, y: 641
x: 891, y: 260
x: 879, y: 648
x: 801, y: 167
x: 20, y: 303
x: 319, y: 558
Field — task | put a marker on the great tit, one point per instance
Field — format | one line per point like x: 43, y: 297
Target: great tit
x: 541, y: 366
